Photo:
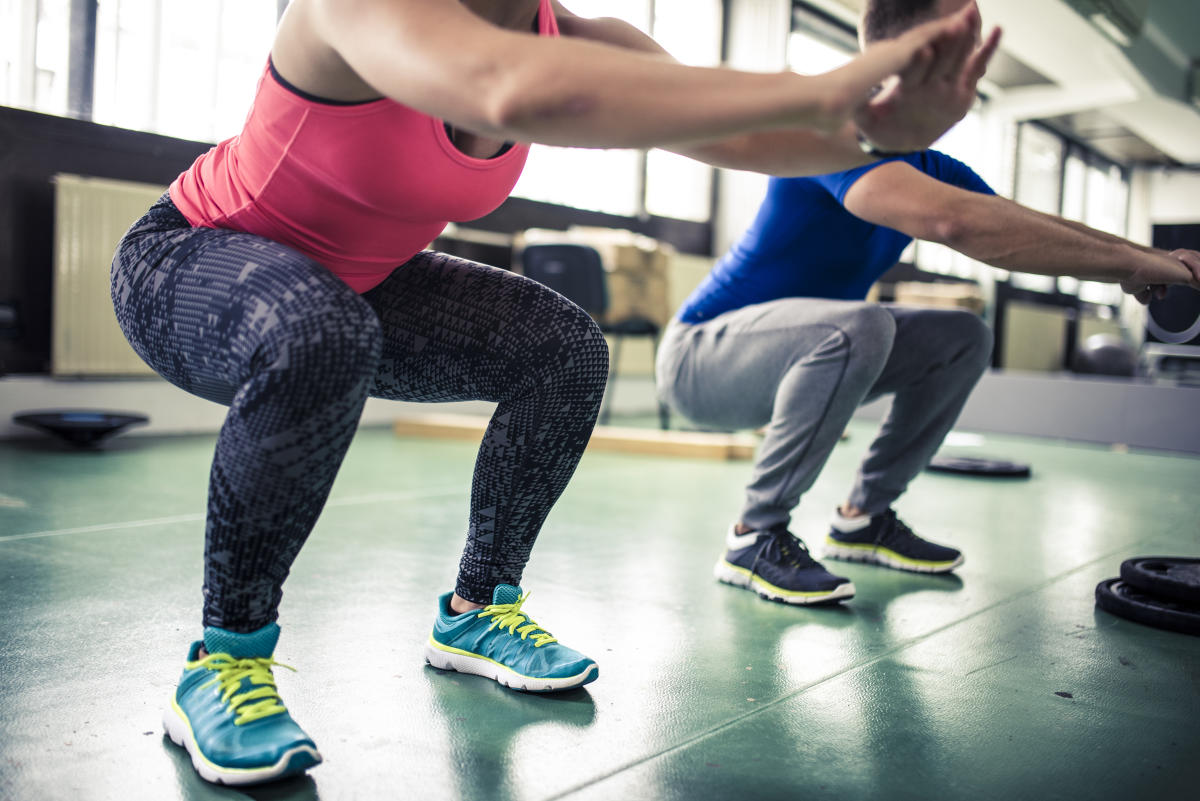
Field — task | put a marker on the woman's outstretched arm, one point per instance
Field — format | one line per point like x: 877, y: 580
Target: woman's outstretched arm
x: 911, y: 119
x: 442, y: 59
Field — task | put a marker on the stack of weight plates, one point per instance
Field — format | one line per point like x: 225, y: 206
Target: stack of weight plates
x: 1159, y: 591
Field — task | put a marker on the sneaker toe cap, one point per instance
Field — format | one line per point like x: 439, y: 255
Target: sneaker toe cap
x: 818, y: 578
x: 561, y: 663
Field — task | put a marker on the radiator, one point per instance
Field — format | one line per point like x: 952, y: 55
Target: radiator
x: 90, y: 215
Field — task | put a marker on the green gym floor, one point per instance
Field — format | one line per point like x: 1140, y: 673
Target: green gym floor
x: 999, y: 682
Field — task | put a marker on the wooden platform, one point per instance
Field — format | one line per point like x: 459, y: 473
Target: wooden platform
x: 688, y: 444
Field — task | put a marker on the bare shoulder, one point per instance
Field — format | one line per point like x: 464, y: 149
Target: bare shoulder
x: 303, y: 54
x: 331, y: 48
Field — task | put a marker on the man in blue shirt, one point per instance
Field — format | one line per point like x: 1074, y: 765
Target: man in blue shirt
x: 779, y: 335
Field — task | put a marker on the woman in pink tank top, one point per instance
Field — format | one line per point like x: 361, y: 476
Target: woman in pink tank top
x: 284, y: 275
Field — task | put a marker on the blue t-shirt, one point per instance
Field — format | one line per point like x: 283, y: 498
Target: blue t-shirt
x: 804, y: 243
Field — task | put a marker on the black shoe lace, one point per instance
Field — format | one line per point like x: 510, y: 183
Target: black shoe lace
x: 785, y: 548
x: 895, y: 531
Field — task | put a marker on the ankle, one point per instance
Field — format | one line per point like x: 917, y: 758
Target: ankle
x: 460, y: 605
x: 741, y: 528
x: 849, y: 511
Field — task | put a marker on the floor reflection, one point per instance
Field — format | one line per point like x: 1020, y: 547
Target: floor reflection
x: 497, y: 740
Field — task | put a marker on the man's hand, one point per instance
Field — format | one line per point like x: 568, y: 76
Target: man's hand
x: 1144, y: 293
x: 1146, y: 288
x: 1191, y: 260
x: 934, y: 91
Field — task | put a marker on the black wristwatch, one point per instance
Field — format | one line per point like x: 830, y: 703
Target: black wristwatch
x: 868, y: 147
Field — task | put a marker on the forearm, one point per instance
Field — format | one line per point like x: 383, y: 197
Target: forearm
x: 1104, y: 236
x: 783, y: 153
x: 1001, y: 233
x: 587, y: 94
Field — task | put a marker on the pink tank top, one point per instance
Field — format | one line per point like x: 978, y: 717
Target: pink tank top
x: 359, y: 188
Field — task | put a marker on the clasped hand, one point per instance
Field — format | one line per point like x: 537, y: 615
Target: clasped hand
x: 937, y: 66
x: 1146, y: 288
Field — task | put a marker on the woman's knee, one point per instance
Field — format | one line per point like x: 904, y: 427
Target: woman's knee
x: 579, y: 347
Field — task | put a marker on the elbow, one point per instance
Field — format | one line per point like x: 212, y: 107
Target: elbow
x: 525, y: 114
x: 525, y: 101
x: 973, y: 236
x: 971, y: 228
x: 492, y: 97
x: 947, y: 229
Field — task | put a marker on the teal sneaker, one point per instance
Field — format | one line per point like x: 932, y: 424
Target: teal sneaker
x: 503, y: 643
x: 227, y: 713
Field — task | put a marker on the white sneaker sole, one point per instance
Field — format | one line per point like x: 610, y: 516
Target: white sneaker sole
x: 180, y: 732
x: 740, y: 577
x: 869, y: 554
x: 462, y: 662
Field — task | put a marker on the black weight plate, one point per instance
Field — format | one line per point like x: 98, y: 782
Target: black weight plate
x: 1164, y: 576
x: 977, y: 466
x: 1117, y: 597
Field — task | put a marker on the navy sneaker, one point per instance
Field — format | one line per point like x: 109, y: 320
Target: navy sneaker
x: 503, y: 643
x: 777, y: 565
x: 886, y: 540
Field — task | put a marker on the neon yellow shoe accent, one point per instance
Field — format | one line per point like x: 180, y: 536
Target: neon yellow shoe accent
x: 510, y: 616
x: 760, y: 581
x: 450, y: 649
x: 230, y: 673
x: 888, y: 552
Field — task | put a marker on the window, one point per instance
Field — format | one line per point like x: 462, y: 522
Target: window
x: 818, y: 43
x: 1040, y: 169
x: 1105, y: 209
x: 1041, y: 185
x: 628, y: 182
x: 677, y: 186
x: 810, y: 54
x: 174, y: 67
x: 597, y: 180
x: 36, y: 40
x: 180, y: 68
x: 1095, y: 192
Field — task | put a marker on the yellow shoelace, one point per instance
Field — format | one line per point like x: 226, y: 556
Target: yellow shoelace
x: 260, y: 702
x: 509, y: 616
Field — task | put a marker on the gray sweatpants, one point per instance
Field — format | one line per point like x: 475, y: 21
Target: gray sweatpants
x: 801, y: 366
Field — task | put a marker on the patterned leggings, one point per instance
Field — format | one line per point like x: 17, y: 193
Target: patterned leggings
x: 294, y: 353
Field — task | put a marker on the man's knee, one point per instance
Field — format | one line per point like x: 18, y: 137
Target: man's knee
x: 976, y: 337
x: 870, y: 331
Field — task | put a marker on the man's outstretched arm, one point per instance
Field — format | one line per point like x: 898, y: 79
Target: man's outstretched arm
x: 1005, y: 234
